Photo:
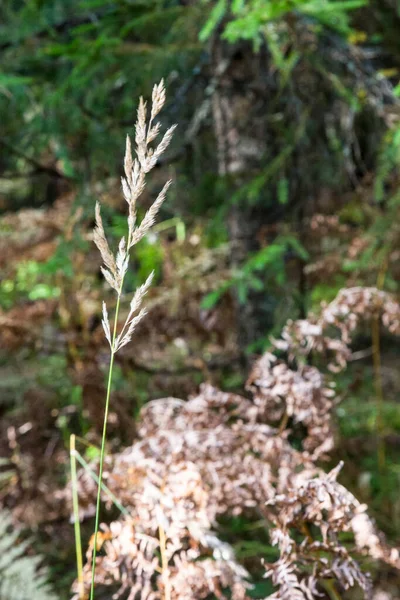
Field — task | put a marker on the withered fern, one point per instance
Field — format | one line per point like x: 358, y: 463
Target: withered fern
x: 221, y: 454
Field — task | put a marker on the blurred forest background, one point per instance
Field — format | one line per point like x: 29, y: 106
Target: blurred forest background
x: 285, y: 169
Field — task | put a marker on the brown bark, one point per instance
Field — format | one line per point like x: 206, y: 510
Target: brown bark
x: 238, y: 110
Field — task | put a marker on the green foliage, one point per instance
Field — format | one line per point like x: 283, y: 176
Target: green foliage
x: 260, y: 589
x: 379, y: 232
x: 54, y: 375
x: 19, y: 574
x: 29, y: 283
x: 7, y: 471
x: 266, y: 264
x: 250, y: 19
x: 217, y: 14
x: 73, y: 70
x: 249, y: 193
x: 389, y: 160
x: 326, y: 292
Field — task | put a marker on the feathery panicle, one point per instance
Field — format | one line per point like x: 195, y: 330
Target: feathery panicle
x: 132, y: 187
x: 99, y: 237
x: 110, y: 279
x: 140, y: 132
x: 138, y: 182
x: 126, y: 189
x: 150, y: 216
x: 157, y: 99
x: 132, y: 191
x: 137, y: 177
x: 124, y: 339
x: 122, y: 260
x: 136, y: 303
x: 116, y: 266
x: 106, y: 324
x: 163, y: 145
x: 101, y: 242
x: 140, y: 293
x: 153, y: 133
x: 128, y: 161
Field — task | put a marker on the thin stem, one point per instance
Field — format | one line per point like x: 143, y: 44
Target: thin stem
x: 283, y: 423
x: 119, y: 296
x: 77, y: 527
x: 105, y: 489
x: 380, y: 425
x: 329, y: 586
x: 103, y: 445
x: 86, y: 443
x: 376, y: 354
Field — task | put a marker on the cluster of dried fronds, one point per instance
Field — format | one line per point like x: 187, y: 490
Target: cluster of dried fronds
x: 220, y: 453
x: 342, y: 316
x: 293, y: 389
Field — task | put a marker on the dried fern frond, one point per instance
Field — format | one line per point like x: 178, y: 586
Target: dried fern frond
x: 213, y: 456
x: 222, y: 454
x: 320, y: 509
x: 342, y: 316
x: 130, y: 565
x: 302, y: 395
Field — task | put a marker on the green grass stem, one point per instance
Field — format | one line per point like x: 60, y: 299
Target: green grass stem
x: 103, y: 445
x: 105, y: 489
x: 77, y: 527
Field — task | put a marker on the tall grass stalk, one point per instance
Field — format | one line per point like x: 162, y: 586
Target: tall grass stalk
x: 116, y: 266
x: 77, y: 527
x: 103, y: 444
x: 329, y: 586
x: 164, y: 563
x: 376, y: 356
